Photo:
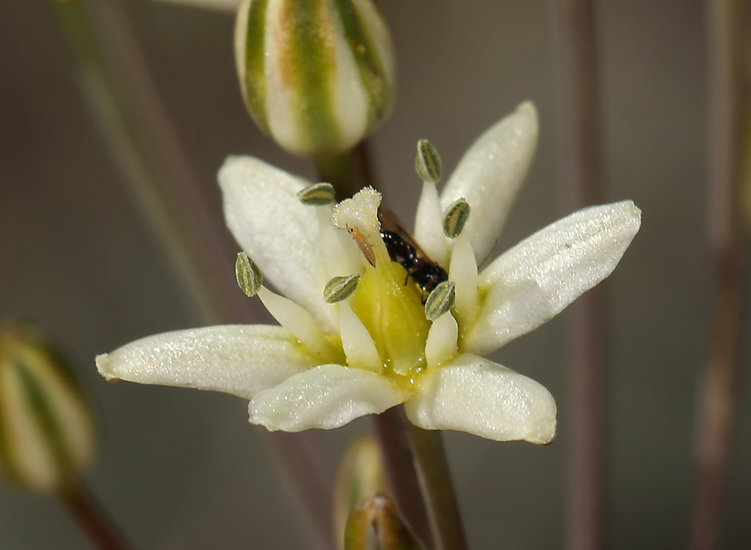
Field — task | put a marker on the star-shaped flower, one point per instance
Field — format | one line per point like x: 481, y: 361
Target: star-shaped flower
x: 328, y: 363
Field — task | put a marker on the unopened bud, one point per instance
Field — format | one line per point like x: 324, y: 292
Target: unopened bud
x: 361, y: 473
x: 375, y: 524
x: 317, y: 76
x: 46, y: 431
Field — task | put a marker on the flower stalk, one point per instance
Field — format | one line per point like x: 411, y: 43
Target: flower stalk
x: 92, y: 519
x: 434, y: 478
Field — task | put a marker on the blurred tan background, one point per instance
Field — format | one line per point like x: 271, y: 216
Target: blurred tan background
x: 183, y: 469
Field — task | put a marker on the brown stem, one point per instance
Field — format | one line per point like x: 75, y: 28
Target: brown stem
x: 437, y: 488
x: 92, y: 519
x: 580, y: 153
x: 718, y: 400
x: 391, y: 428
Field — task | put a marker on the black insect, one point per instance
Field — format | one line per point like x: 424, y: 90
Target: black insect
x: 403, y: 249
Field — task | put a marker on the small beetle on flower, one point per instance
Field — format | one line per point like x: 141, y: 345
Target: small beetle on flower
x: 368, y: 343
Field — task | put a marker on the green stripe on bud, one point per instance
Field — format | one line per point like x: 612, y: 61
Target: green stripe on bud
x: 375, y: 523
x: 428, y: 162
x: 318, y: 194
x: 455, y: 217
x: 46, y: 430
x: 440, y: 300
x: 340, y: 288
x: 249, y: 277
x: 317, y: 76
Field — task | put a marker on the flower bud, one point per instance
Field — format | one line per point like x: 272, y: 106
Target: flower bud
x: 317, y: 75
x: 360, y: 474
x: 46, y: 429
x: 375, y: 524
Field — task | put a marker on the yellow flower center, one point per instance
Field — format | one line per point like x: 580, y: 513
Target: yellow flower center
x: 393, y: 314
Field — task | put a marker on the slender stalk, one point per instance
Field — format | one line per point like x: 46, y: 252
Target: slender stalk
x: 718, y: 403
x: 437, y: 488
x: 146, y: 146
x: 338, y: 171
x: 92, y: 518
x: 580, y: 152
x: 391, y: 428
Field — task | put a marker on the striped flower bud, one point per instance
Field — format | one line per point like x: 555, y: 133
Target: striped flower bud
x: 361, y: 474
x: 375, y: 523
x: 46, y: 429
x: 317, y: 75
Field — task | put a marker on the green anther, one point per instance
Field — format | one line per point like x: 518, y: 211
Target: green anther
x: 339, y: 288
x: 455, y: 217
x: 249, y: 277
x: 428, y: 162
x: 318, y: 194
x: 440, y: 300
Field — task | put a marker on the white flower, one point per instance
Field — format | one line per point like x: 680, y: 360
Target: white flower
x: 330, y: 363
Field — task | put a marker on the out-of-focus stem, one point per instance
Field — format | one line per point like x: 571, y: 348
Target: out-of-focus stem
x: 437, y: 488
x: 92, y: 519
x: 420, y: 479
x: 391, y: 430
x: 580, y: 156
x: 718, y: 399
x: 157, y: 168
x: 338, y: 171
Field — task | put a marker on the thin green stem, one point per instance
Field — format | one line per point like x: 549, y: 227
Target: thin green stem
x: 391, y: 428
x: 437, y: 488
x: 338, y: 171
x: 92, y: 519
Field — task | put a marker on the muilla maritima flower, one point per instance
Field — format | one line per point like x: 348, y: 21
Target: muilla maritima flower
x: 355, y: 336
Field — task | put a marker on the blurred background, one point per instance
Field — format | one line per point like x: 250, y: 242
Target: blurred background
x: 183, y: 469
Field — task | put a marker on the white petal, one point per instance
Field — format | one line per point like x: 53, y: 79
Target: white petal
x: 463, y: 271
x: 325, y: 397
x: 429, y: 225
x: 477, y: 396
x: 299, y: 322
x: 358, y: 345
x: 536, y: 279
x: 441, y: 344
x: 279, y: 233
x: 491, y: 173
x: 237, y: 359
